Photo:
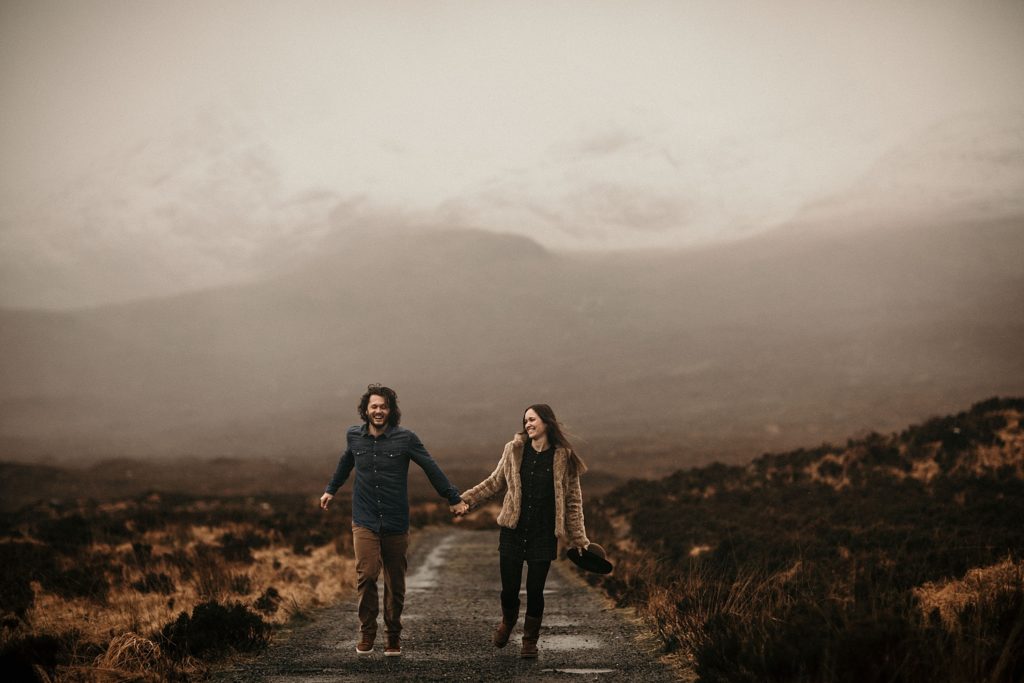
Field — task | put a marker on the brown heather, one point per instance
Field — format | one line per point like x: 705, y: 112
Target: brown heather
x: 150, y: 560
x: 953, y: 598
x: 894, y: 558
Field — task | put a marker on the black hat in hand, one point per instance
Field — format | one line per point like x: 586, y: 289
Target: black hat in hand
x: 593, y: 559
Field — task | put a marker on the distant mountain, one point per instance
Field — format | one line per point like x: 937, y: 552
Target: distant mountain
x: 967, y: 167
x: 198, y: 207
x: 656, y: 359
x: 893, y: 300
x: 211, y: 202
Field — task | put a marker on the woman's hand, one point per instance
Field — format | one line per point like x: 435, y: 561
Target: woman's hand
x: 460, y: 508
x: 325, y: 500
x: 581, y: 548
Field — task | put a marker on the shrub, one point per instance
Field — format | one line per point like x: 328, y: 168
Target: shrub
x: 79, y: 582
x: 213, y: 630
x: 112, y: 531
x: 142, y: 553
x: 269, y: 602
x: 20, y: 563
x: 236, y: 549
x: 19, y: 656
x: 67, y: 535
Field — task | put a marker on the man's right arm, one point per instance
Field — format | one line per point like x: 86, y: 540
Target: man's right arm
x: 345, y: 465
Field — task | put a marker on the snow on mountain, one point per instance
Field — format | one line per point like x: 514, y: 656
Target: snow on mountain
x: 969, y: 166
x: 199, y: 207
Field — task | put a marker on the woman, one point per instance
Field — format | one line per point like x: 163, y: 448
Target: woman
x: 540, y: 474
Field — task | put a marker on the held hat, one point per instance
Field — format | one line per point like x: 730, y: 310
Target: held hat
x: 593, y: 559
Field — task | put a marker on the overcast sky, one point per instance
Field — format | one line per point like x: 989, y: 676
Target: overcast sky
x: 581, y: 124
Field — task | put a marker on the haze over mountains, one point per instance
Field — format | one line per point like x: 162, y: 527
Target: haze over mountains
x: 870, y: 310
x: 215, y: 203
x: 193, y: 208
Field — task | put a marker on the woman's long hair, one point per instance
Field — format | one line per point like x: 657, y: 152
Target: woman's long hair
x: 555, y: 432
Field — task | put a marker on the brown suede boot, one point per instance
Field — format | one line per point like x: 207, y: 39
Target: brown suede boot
x: 365, y: 645
x: 394, y: 646
x: 509, y: 617
x: 531, y: 632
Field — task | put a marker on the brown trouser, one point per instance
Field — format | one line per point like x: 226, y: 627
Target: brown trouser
x: 373, y: 553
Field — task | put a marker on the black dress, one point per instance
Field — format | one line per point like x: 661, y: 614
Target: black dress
x: 533, y: 539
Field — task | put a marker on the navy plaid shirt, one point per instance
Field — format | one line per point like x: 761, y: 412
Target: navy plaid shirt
x: 380, y: 494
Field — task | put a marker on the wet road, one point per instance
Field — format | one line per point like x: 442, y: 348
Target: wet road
x: 451, y: 610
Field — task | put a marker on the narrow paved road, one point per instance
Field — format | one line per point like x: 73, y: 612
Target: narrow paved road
x: 451, y: 610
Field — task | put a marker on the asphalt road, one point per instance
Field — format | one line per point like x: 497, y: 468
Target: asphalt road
x: 451, y: 610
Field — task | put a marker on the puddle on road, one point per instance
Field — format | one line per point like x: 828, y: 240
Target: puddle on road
x: 582, y: 672
x: 568, y: 642
x: 426, y: 575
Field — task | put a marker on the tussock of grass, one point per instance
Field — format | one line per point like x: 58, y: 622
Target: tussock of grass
x: 953, y: 598
x: 133, y: 655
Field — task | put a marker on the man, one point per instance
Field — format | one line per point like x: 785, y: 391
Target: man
x: 380, y: 452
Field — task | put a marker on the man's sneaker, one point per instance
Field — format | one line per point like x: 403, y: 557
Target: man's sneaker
x: 394, y: 647
x: 365, y: 644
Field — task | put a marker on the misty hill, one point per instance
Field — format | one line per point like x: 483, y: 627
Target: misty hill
x: 923, y: 479
x: 969, y: 166
x: 984, y: 442
x: 202, y: 205
x: 683, y: 356
x: 892, y: 557
x: 885, y: 304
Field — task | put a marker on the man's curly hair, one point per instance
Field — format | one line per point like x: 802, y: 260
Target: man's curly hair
x: 394, y: 417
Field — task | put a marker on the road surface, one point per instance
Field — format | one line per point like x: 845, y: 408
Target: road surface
x: 451, y: 610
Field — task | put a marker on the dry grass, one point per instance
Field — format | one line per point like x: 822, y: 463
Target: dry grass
x: 169, y: 568
x: 130, y: 654
x: 812, y: 565
x: 320, y: 578
x: 950, y: 599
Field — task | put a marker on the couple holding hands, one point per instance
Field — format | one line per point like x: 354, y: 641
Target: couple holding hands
x: 539, y: 473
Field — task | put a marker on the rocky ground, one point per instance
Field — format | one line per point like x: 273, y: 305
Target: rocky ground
x: 451, y: 611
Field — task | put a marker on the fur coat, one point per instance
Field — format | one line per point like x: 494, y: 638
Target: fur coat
x: 569, y: 526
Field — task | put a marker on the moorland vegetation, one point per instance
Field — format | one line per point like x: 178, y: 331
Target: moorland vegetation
x: 159, y: 586
x: 894, y: 557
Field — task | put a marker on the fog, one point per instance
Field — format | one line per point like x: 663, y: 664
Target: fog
x: 198, y: 138
x: 700, y: 230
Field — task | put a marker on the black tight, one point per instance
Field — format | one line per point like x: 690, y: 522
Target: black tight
x: 512, y: 578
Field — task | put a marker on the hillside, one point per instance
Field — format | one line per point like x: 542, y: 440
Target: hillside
x: 893, y: 557
x: 760, y: 345
x: 984, y: 442
x: 968, y: 165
